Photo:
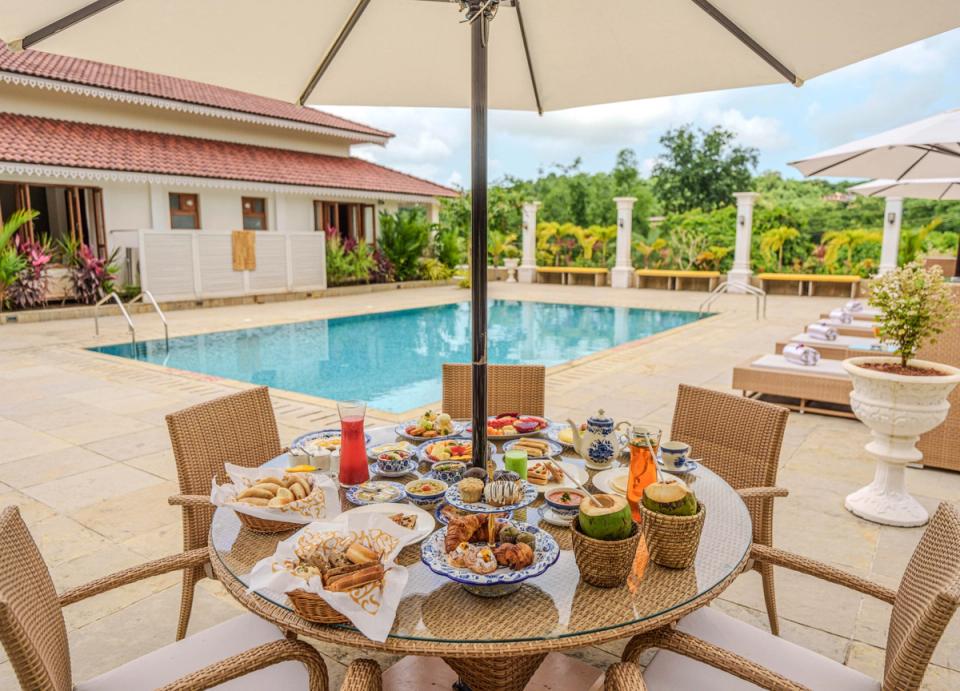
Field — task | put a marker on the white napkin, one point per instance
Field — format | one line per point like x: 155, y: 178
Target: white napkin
x: 324, y: 503
x: 823, y: 332
x: 801, y: 354
x: 854, y: 306
x: 371, y: 608
x: 841, y: 315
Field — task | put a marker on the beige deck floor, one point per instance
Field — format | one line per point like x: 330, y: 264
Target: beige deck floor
x: 84, y: 453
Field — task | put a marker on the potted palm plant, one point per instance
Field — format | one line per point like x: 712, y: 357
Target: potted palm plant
x: 899, y: 398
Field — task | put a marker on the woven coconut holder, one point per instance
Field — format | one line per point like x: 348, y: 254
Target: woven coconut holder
x: 314, y: 608
x: 604, y: 563
x: 672, y: 540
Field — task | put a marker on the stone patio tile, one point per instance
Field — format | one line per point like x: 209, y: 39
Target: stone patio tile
x: 50, y: 466
x: 128, y: 515
x: 159, y: 542
x: 103, y: 484
x: 895, y: 546
x: 104, y: 427
x: 19, y: 441
x: 62, y: 539
x: 31, y: 510
x: 142, y: 627
x: 127, y: 446
x: 159, y: 463
x: 8, y: 678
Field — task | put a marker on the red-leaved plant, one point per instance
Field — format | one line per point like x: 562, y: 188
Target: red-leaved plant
x: 91, y: 276
x: 29, y: 290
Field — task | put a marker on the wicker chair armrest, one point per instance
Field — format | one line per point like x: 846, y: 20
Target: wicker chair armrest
x: 189, y: 500
x: 254, y: 659
x: 156, y: 567
x: 762, y: 492
x: 623, y: 676
x: 362, y: 675
x: 668, y: 638
x: 812, y: 567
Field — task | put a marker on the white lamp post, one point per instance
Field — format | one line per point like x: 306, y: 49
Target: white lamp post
x: 622, y: 274
x: 890, y: 252
x: 740, y: 274
x: 528, y: 265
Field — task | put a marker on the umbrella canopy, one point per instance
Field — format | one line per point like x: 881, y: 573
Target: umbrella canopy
x: 543, y: 55
x: 943, y: 190
x: 923, y: 150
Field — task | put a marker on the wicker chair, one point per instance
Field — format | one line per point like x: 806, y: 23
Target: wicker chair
x: 923, y: 605
x: 34, y: 634
x: 623, y: 676
x: 239, y: 429
x: 510, y: 389
x: 739, y: 439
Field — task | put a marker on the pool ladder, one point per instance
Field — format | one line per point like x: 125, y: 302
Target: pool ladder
x: 760, y: 295
x: 144, y: 297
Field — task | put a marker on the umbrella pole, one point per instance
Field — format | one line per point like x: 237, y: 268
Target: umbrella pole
x: 478, y: 235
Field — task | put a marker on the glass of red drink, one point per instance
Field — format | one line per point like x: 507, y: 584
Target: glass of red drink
x: 353, y: 449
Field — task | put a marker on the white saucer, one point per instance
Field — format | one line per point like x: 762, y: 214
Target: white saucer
x: 552, y: 518
x: 602, y: 481
x: 687, y: 467
x: 596, y: 466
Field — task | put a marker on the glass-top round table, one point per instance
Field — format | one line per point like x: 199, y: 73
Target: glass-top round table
x: 552, y: 612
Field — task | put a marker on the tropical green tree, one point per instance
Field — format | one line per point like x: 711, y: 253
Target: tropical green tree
x: 12, y: 263
x: 773, y: 241
x: 404, y: 237
x: 701, y: 169
x: 500, y: 244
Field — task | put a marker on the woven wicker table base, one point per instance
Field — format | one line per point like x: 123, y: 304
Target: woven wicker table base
x: 496, y: 673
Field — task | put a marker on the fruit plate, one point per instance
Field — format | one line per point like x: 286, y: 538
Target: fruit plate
x: 507, y: 437
x: 443, y: 520
x: 570, y: 469
x: 425, y: 522
x: 357, y: 494
x: 401, y: 431
x: 424, y: 456
x: 502, y: 581
x: 375, y: 450
x: 453, y: 497
x: 325, y: 438
x: 554, y: 448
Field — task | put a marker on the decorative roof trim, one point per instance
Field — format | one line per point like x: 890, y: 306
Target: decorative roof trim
x: 97, y: 175
x: 184, y: 107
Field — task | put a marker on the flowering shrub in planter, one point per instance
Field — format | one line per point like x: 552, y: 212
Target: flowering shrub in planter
x: 29, y: 291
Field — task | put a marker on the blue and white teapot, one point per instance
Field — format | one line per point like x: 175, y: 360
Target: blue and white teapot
x: 599, y: 442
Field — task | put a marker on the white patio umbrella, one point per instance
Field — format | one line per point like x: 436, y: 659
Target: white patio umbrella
x: 543, y: 55
x: 946, y: 189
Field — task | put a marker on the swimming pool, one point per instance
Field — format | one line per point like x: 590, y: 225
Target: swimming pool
x: 392, y: 360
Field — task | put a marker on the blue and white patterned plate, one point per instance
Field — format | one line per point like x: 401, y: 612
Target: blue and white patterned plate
x: 354, y: 493
x: 375, y: 450
x: 545, y: 554
x: 554, y: 448
x: 304, y: 440
x: 518, y: 435
x: 443, y: 520
x: 453, y: 497
x: 410, y: 467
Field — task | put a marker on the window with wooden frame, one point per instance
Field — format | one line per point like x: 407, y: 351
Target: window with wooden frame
x: 354, y: 221
x: 184, y: 211
x: 254, y: 213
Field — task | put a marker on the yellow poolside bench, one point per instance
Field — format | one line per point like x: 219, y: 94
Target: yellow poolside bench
x: 676, y: 275
x: 599, y: 274
x: 810, y: 279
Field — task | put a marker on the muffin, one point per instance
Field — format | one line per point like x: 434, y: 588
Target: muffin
x: 471, y: 489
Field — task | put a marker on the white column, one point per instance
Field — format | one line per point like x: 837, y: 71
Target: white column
x: 741, y: 273
x: 527, y: 272
x: 622, y: 274
x: 891, y: 235
x: 433, y: 213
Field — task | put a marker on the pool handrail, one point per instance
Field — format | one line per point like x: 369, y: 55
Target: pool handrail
x: 123, y: 310
x: 758, y: 293
x: 146, y: 295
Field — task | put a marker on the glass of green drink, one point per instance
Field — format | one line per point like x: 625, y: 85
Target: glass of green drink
x: 516, y: 460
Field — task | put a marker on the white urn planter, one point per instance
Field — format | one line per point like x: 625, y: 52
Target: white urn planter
x: 511, y: 264
x: 898, y: 409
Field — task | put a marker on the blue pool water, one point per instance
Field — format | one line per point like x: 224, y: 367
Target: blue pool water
x: 392, y: 360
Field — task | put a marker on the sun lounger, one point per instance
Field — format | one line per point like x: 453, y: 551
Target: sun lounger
x: 857, y: 328
x: 866, y: 317
x: 823, y: 388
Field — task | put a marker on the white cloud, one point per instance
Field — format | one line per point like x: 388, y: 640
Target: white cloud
x: 764, y: 133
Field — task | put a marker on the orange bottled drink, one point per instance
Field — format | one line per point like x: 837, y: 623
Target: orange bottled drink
x: 644, y: 442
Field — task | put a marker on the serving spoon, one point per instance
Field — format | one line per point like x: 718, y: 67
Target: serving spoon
x: 583, y: 489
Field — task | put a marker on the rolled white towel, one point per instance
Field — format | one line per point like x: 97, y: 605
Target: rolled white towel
x: 823, y: 332
x: 801, y: 354
x: 854, y: 306
x: 842, y: 316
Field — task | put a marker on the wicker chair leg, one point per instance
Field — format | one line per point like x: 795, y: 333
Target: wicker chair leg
x: 623, y: 676
x: 190, y: 579
x: 362, y: 675
x: 637, y: 645
x: 769, y: 596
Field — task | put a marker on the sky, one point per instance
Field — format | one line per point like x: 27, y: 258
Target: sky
x: 783, y: 122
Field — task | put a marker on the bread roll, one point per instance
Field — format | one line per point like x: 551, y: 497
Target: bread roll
x: 359, y: 554
x: 255, y: 492
x: 255, y: 501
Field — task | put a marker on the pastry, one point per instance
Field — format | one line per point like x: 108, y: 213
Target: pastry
x: 484, y: 561
x: 508, y: 533
x: 478, y: 473
x: 472, y: 528
x: 471, y: 489
x: 404, y: 520
x: 528, y: 539
x: 501, y: 492
x: 556, y: 474
x: 518, y: 556
x: 458, y: 557
x: 275, y: 492
x: 508, y: 475
x: 538, y: 474
x: 534, y: 447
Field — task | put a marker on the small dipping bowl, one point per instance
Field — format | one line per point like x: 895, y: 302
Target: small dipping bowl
x: 394, y: 461
x: 426, y: 491
x: 561, y: 508
x: 450, y: 472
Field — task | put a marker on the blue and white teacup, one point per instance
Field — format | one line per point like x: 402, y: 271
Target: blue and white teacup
x: 674, y: 454
x: 450, y: 472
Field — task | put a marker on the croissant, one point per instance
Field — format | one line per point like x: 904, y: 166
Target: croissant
x: 471, y: 528
x: 516, y: 556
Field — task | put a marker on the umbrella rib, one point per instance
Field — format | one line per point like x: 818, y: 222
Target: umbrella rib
x: 745, y: 38
x: 945, y: 190
x: 526, y: 51
x: 834, y: 165
x: 881, y: 190
x: 913, y: 165
x: 65, y: 22
x: 334, y: 49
